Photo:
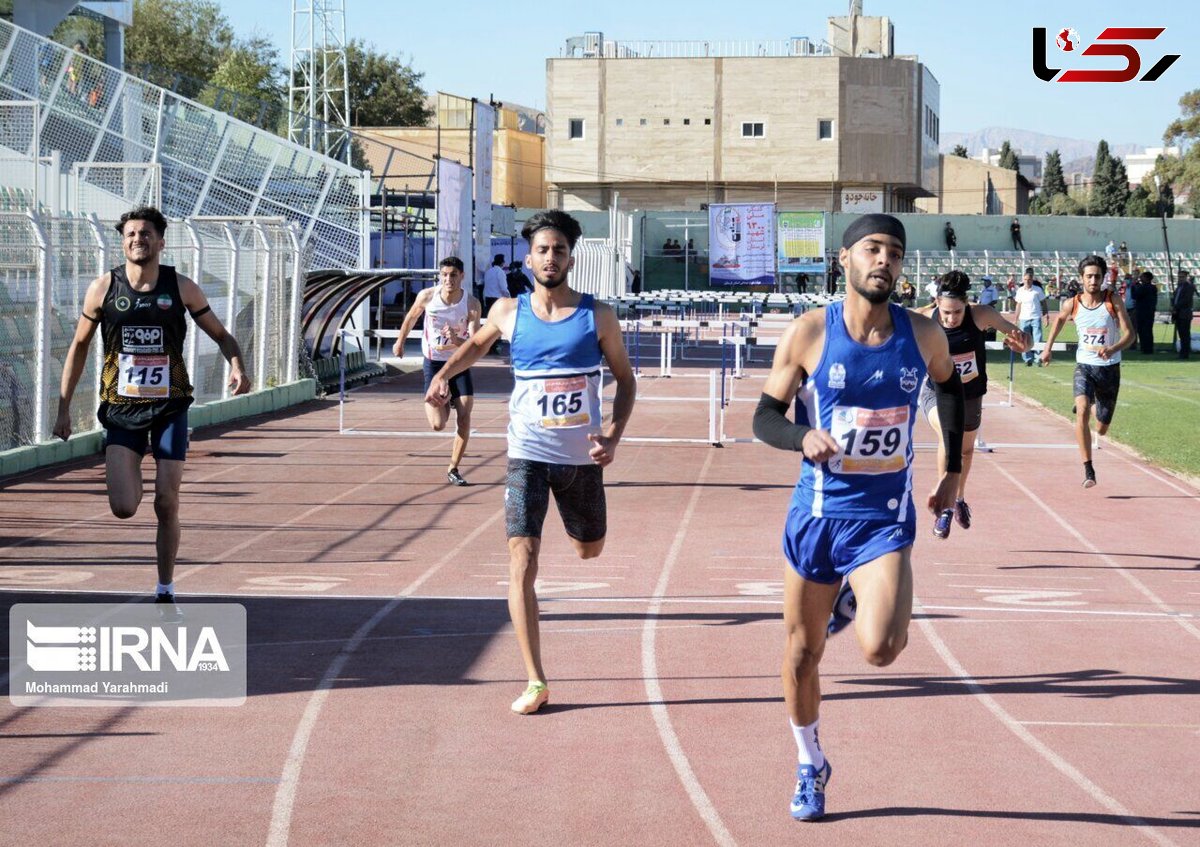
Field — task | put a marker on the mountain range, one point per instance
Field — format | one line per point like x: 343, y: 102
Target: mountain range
x: 1075, y: 151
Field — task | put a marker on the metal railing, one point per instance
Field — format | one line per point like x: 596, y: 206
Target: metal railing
x: 211, y: 163
x: 250, y: 269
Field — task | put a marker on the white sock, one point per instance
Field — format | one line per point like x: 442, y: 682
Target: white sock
x: 169, y: 588
x: 808, y: 745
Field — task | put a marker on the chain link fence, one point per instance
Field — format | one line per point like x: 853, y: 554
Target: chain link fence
x: 212, y: 164
x: 251, y: 270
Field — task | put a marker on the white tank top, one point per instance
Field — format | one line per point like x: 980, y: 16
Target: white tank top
x: 446, y: 326
x: 1097, y: 329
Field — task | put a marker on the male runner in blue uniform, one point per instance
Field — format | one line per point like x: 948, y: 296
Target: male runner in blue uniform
x: 557, y: 440
x: 858, y: 366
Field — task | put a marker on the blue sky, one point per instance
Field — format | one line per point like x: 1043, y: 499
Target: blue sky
x: 980, y: 52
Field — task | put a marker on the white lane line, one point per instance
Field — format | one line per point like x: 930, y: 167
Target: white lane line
x: 1191, y: 494
x: 1112, y: 723
x: 1060, y: 764
x: 1112, y: 563
x: 285, y: 794
x: 1171, y: 615
x: 1071, y: 589
x: 1012, y: 576
x: 654, y: 692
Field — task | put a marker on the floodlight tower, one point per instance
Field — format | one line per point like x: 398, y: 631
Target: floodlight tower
x: 319, y: 98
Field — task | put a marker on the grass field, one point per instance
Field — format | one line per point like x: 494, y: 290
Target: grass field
x: 1158, y: 412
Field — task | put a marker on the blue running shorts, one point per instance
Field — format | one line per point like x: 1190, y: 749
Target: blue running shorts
x: 826, y: 549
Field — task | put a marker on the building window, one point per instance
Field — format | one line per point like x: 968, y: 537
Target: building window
x: 575, y: 128
x: 687, y: 121
x: 620, y: 122
x: 641, y: 121
x: 708, y: 121
x: 824, y: 129
x: 752, y: 129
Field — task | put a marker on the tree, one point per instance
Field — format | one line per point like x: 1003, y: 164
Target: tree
x: 248, y: 83
x: 1065, y: 204
x: 1141, y: 204
x: 960, y: 151
x: 1053, y: 182
x: 384, y: 91
x: 1119, y: 191
x: 1008, y: 158
x: 1102, y: 197
x: 184, y: 37
x: 1183, y: 174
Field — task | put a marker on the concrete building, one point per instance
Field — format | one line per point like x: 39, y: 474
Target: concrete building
x: 1030, y: 165
x: 971, y: 187
x: 838, y: 125
x: 517, y: 154
x: 1139, y: 165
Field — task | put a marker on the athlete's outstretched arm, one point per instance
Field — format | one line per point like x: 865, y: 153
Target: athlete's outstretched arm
x: 947, y: 385
x: 480, y: 342
x: 988, y: 318
x: 410, y: 319
x: 1060, y: 321
x: 202, y: 314
x: 608, y: 330
x: 76, y: 361
x: 802, y: 338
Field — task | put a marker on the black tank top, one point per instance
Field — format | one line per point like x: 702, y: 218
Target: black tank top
x: 143, y: 333
x: 967, y: 348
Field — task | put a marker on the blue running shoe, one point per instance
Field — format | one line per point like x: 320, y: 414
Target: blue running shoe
x: 941, y: 527
x: 962, y: 513
x: 844, y: 609
x: 808, y: 803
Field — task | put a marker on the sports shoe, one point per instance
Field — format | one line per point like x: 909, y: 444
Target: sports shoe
x: 1089, y: 475
x: 455, y: 477
x: 962, y: 513
x: 168, y: 612
x: 981, y: 446
x: 808, y: 803
x: 844, y: 609
x: 535, y: 696
x: 941, y: 527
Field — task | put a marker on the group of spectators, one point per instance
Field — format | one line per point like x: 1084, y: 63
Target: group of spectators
x: 1028, y: 300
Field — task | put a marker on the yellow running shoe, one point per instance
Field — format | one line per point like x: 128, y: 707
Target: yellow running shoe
x: 534, y: 697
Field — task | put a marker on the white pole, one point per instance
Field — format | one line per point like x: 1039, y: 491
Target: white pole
x: 41, y: 372
x: 712, y: 408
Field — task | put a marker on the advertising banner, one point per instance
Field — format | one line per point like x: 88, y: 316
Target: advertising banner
x: 801, y: 240
x: 453, y: 211
x: 485, y: 122
x: 741, y: 240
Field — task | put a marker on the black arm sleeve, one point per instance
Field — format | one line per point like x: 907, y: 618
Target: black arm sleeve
x: 771, y: 425
x: 203, y: 311
x: 952, y: 417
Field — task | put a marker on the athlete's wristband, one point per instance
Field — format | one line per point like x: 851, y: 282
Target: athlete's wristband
x: 771, y: 425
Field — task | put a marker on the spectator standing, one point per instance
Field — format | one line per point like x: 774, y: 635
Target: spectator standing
x: 951, y: 238
x: 1145, y: 301
x: 1183, y: 308
x: 495, y: 287
x: 1029, y: 299
x: 1010, y: 287
x: 1014, y: 230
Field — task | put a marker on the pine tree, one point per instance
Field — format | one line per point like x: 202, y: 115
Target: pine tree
x: 1100, y: 197
x: 1119, y: 198
x: 1008, y: 159
x: 1053, y: 181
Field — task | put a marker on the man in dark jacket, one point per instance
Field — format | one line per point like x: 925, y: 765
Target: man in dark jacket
x: 1145, y: 300
x: 1183, y: 307
x: 951, y: 238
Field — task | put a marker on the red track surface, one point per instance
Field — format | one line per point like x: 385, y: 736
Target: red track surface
x: 1046, y: 696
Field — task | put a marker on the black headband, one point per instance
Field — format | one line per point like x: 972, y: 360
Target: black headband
x: 873, y: 224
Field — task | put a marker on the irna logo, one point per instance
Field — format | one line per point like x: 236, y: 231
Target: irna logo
x: 123, y: 648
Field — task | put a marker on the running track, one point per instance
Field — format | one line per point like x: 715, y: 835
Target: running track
x: 1045, y: 698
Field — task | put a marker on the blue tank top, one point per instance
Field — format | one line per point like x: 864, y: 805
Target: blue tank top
x: 555, y: 402
x: 866, y: 397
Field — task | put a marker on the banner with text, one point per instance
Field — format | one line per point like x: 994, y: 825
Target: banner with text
x: 485, y: 122
x: 801, y: 239
x: 453, y: 210
x: 741, y: 244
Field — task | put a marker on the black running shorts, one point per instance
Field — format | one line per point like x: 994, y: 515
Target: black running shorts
x: 578, y: 491
x: 1100, y: 384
